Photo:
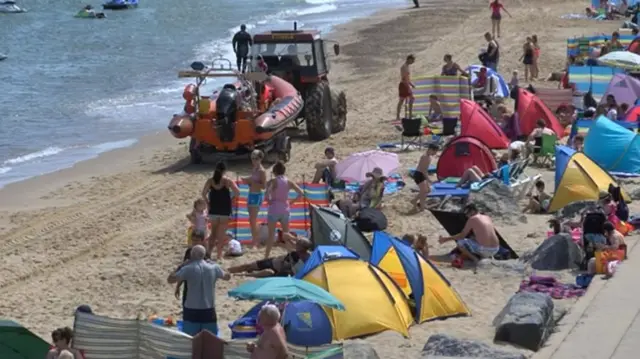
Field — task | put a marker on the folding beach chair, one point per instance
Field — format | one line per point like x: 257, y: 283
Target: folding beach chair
x: 544, y: 148
x: 412, y: 130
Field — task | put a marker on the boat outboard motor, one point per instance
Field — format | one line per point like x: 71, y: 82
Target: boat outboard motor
x: 226, y: 108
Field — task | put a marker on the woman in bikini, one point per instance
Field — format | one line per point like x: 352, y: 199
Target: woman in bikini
x: 535, y: 70
x: 496, y: 16
x: 217, y: 192
x: 451, y: 68
x: 256, y: 182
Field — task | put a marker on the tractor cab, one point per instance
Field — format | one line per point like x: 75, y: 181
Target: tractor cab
x: 297, y: 56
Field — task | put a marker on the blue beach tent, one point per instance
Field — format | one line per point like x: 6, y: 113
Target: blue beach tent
x: 323, y: 253
x: 613, y: 147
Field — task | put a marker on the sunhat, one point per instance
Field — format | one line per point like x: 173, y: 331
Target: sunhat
x: 376, y: 173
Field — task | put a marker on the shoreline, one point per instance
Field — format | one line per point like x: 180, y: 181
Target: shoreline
x: 113, y: 227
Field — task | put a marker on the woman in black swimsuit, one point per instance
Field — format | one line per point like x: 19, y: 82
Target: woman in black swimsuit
x: 451, y: 68
x: 217, y: 192
x: 527, y: 59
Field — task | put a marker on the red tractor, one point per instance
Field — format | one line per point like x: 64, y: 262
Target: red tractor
x: 301, y: 58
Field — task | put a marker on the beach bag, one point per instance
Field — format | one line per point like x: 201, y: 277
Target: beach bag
x: 604, y: 257
x: 371, y: 219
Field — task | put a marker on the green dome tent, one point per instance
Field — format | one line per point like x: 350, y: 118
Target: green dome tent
x: 18, y: 342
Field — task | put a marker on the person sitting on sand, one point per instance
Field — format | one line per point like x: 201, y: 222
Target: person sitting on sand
x: 539, y: 202
x: 280, y: 266
x: 451, y: 68
x: 486, y: 243
x: 611, y: 106
x: 541, y: 129
x: 624, y: 107
x: 421, y: 177
x: 409, y: 239
x: 435, y: 109
x: 405, y: 88
x: 614, y: 44
x: 370, y: 194
x: 326, y: 169
x: 612, y: 240
x: 272, y: 343
x: 61, y: 338
x: 421, y: 246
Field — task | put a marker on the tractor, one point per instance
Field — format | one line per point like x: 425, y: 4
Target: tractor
x: 301, y: 58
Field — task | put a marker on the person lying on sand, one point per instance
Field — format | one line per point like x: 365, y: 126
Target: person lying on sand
x: 486, y: 243
x: 326, y: 169
x: 280, y: 266
x: 421, y: 177
x: 538, y: 202
x: 272, y: 343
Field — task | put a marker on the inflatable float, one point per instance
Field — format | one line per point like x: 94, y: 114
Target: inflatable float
x: 10, y: 7
x: 83, y: 14
x: 120, y: 5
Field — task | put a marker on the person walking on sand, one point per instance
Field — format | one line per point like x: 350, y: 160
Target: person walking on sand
x: 277, y: 195
x: 241, y: 43
x: 485, y: 244
x: 272, y: 343
x: 496, y: 16
x: 421, y: 177
x: 405, y: 88
x: 217, y: 193
x: 536, y: 55
x: 492, y: 55
x: 199, y: 308
x: 416, y: 4
x: 256, y: 182
x: 527, y: 59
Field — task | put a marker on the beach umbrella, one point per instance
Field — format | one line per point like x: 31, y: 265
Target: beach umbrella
x: 355, y: 167
x: 503, y: 88
x: 287, y: 289
x: 621, y: 59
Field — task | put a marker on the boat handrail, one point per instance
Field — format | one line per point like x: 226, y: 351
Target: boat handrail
x: 208, y: 73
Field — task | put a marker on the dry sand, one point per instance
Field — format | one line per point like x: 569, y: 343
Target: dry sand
x: 108, y: 231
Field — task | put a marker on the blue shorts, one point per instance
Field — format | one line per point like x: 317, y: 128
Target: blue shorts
x: 255, y: 199
x: 283, y: 219
x: 596, y: 238
x: 475, y: 248
x: 193, y: 328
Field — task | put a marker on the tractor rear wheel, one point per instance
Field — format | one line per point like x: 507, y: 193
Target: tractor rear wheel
x: 339, y: 107
x: 318, y: 112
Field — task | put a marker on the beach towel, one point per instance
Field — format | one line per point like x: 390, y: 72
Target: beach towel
x: 449, y: 89
x: 551, y: 286
x: 300, y: 219
x: 393, y: 184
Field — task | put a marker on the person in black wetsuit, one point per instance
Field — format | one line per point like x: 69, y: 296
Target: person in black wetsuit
x: 280, y: 266
x: 492, y: 56
x: 241, y: 44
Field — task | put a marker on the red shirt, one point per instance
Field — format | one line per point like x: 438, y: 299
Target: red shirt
x: 496, y: 7
x: 564, y: 80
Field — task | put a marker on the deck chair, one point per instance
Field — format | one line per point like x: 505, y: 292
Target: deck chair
x: 486, y: 93
x: 412, y: 130
x: 544, y: 149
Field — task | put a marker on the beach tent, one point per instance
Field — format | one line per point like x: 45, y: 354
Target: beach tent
x: 449, y: 89
x: 417, y: 277
x: 462, y: 153
x: 373, y: 302
x: 624, y: 88
x: 503, y: 88
x: 454, y: 222
x: 18, y: 342
x: 530, y: 109
x: 578, y: 178
x: 613, y: 147
x: 322, y: 254
x: 329, y: 227
x: 633, y: 115
x: 476, y: 122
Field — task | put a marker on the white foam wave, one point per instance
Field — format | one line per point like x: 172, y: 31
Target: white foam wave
x: 49, y: 151
x: 4, y: 170
x: 319, y: 2
x: 317, y: 10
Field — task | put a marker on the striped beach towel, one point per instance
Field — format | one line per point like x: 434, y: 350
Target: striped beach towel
x: 300, y: 219
x: 582, y: 46
x: 101, y: 337
x: 449, y: 89
x: 553, y: 98
x: 594, y: 78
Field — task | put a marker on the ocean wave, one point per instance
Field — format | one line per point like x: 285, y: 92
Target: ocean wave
x: 49, y: 151
x: 317, y: 10
x: 4, y: 170
x: 319, y: 2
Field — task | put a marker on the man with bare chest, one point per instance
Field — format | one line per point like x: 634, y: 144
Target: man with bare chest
x: 405, y: 88
x: 485, y: 243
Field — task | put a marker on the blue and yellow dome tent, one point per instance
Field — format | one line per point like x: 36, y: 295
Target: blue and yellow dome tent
x: 612, y: 146
x: 417, y: 277
x: 578, y: 178
x: 373, y: 302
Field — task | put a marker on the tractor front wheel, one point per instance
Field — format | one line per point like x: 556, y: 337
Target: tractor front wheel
x: 318, y: 112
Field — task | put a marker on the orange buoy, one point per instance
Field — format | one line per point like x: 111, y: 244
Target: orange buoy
x: 181, y: 126
x: 189, y: 92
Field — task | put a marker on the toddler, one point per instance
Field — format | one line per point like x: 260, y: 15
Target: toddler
x: 514, y: 80
x: 198, y: 217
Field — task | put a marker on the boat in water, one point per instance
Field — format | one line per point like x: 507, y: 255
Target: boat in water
x: 10, y: 7
x: 252, y: 112
x: 120, y: 5
x: 88, y: 13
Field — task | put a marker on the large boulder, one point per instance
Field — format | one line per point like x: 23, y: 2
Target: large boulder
x: 497, y: 201
x: 526, y: 320
x: 557, y: 253
x: 359, y: 349
x: 442, y: 345
x: 575, y: 208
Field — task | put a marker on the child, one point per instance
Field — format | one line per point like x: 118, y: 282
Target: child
x: 623, y: 111
x: 539, y: 202
x: 234, y: 248
x: 198, y: 218
x: 409, y: 239
x: 421, y: 177
x: 435, y: 110
x: 578, y: 143
x: 514, y: 80
x: 421, y: 247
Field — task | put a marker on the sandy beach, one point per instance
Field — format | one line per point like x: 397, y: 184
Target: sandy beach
x: 107, y: 232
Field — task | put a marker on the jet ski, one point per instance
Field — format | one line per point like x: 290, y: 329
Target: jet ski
x: 88, y: 13
x: 120, y: 5
x: 10, y: 7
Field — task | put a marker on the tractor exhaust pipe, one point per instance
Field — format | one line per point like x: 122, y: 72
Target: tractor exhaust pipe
x: 295, y: 26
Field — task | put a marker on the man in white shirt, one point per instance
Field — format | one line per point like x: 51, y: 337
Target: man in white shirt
x: 326, y: 169
x: 541, y: 129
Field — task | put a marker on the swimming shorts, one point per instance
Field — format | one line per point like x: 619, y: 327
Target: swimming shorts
x: 476, y: 249
x: 528, y: 59
x: 268, y: 264
x: 404, y: 91
x: 255, y: 199
x: 419, y: 177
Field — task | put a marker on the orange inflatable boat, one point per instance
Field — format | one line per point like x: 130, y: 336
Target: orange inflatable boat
x: 252, y: 112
